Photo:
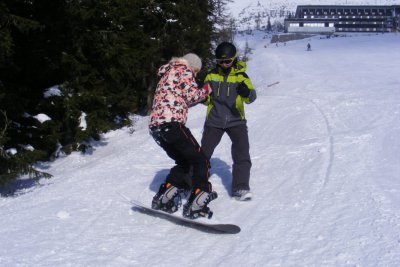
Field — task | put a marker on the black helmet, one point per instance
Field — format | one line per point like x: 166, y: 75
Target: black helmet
x: 225, y: 50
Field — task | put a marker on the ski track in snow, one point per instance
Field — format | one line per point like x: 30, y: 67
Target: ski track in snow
x: 326, y: 161
x: 334, y: 138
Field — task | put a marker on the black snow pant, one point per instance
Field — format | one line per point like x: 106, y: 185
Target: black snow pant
x: 239, y: 150
x: 180, y: 145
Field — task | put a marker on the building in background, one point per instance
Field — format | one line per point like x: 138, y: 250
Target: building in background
x: 342, y: 18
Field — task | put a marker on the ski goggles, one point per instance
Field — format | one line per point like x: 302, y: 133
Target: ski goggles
x: 225, y: 61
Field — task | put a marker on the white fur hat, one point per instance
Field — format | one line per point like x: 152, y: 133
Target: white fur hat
x: 194, y: 61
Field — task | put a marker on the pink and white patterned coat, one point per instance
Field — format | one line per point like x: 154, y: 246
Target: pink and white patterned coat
x: 176, y: 91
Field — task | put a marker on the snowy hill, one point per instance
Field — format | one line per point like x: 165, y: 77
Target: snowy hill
x: 325, y: 147
x: 253, y: 14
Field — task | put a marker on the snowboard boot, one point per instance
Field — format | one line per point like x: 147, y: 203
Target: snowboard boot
x: 242, y: 195
x: 168, y: 198
x: 197, y: 204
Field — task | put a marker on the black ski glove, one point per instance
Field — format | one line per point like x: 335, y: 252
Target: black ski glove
x: 243, y: 90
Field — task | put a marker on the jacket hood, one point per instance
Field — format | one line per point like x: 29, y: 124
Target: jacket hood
x: 241, y: 66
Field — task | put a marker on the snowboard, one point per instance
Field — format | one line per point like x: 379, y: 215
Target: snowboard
x: 199, y: 225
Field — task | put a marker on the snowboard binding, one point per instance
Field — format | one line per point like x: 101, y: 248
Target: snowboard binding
x: 193, y: 210
x: 168, y: 198
x: 170, y: 207
x: 194, y: 214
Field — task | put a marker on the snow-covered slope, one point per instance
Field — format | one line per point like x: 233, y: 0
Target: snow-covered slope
x: 325, y: 147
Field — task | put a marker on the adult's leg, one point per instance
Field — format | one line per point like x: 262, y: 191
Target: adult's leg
x: 193, y: 154
x: 167, y: 139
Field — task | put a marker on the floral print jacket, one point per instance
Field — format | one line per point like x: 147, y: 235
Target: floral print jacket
x: 176, y: 91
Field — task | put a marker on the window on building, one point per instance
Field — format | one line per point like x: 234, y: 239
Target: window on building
x: 313, y: 24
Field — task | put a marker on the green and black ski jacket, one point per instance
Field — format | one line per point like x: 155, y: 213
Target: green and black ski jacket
x: 225, y: 107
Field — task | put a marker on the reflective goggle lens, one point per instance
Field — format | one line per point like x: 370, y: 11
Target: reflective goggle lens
x: 225, y: 61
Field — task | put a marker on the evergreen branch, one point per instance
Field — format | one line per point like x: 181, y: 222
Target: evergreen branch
x: 24, y: 24
x: 6, y: 123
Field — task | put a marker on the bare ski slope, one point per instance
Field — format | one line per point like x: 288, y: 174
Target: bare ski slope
x: 325, y: 147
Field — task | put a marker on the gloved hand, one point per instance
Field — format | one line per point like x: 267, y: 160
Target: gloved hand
x: 243, y: 90
x: 207, y: 88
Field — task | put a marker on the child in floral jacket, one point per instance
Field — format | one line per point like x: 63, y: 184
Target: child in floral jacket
x: 176, y: 91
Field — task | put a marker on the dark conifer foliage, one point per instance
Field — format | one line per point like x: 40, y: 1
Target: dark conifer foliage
x: 101, y: 56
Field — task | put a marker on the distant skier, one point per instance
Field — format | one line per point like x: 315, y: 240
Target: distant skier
x: 308, y: 47
x: 176, y: 91
x: 231, y: 88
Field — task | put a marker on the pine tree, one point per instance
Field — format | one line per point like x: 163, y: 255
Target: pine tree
x: 177, y: 27
x: 247, y: 52
x: 224, y: 25
x: 105, y: 60
x: 258, y: 21
x: 102, y: 56
x: 269, y: 26
x: 18, y: 95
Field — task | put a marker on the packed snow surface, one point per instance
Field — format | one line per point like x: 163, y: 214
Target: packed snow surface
x: 325, y: 148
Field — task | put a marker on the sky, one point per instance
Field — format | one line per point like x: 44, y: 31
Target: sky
x: 325, y: 149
